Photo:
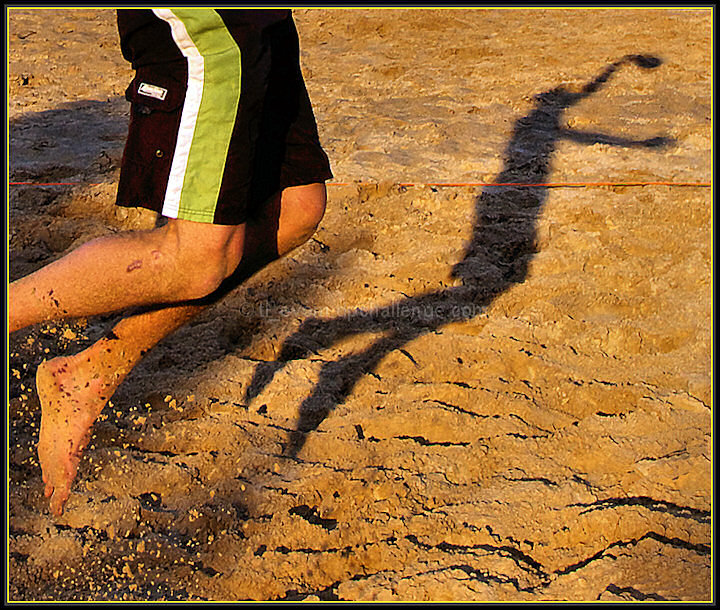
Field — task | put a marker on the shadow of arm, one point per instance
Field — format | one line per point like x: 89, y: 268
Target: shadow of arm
x: 591, y: 137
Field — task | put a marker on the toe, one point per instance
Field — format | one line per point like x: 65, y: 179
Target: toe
x: 58, y: 500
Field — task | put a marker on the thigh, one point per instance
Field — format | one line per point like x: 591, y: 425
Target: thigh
x: 284, y: 221
x: 203, y: 243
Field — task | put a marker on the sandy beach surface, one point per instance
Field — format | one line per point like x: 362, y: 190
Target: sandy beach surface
x: 450, y: 393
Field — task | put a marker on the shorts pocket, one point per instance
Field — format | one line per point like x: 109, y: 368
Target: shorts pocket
x: 156, y: 98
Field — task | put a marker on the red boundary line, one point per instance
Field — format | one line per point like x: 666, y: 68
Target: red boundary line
x: 439, y: 184
x: 563, y: 184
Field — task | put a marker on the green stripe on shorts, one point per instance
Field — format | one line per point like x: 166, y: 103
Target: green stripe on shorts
x: 214, y: 73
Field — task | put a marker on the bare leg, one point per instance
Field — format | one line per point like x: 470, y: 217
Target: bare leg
x: 74, y: 390
x: 126, y: 270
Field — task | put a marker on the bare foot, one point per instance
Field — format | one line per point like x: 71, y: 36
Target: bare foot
x: 72, y: 396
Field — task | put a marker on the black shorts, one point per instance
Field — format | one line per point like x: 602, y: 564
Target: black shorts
x: 220, y: 116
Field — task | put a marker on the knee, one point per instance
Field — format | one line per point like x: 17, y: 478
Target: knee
x: 314, y: 206
x: 199, y: 261
x: 306, y: 204
x: 203, y: 278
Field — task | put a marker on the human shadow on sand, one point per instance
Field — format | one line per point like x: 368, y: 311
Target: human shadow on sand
x: 77, y: 141
x: 497, y: 257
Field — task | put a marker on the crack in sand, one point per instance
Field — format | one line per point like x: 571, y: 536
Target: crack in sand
x: 684, y: 512
x: 700, y: 549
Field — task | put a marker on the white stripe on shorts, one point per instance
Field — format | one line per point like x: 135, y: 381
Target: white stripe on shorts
x: 191, y: 107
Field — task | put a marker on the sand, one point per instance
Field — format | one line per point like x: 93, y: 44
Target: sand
x: 458, y: 393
